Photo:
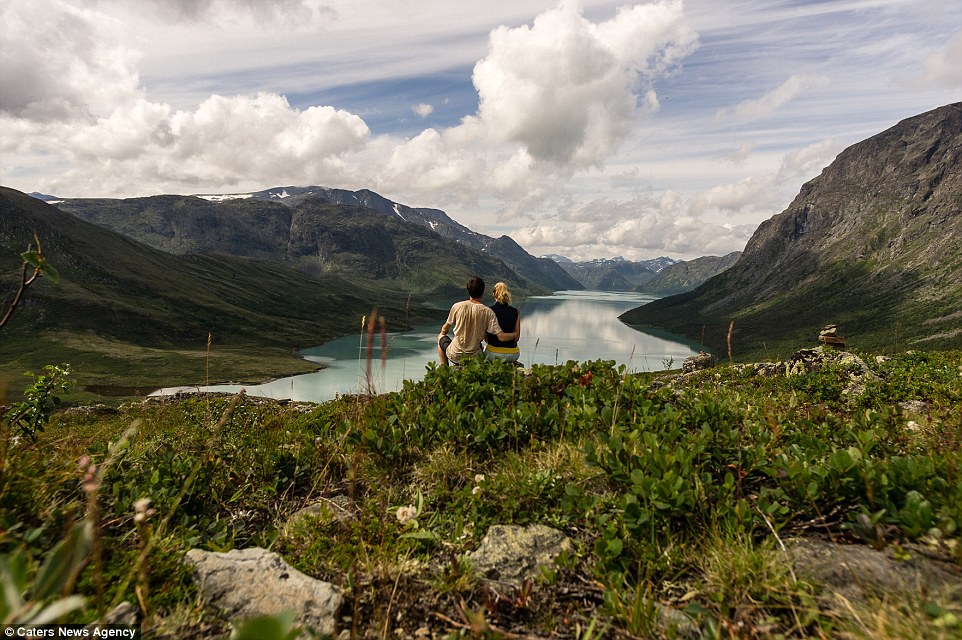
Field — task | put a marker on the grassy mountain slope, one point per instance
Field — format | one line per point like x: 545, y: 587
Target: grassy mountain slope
x: 118, y: 298
x: 184, y: 224
x: 685, y: 276
x: 873, y: 244
x: 316, y: 235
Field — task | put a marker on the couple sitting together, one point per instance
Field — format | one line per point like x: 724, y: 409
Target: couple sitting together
x: 474, y: 322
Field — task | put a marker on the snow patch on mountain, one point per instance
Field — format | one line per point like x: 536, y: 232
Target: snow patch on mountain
x: 225, y: 197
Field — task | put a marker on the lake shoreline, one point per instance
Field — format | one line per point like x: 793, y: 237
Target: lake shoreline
x: 578, y: 326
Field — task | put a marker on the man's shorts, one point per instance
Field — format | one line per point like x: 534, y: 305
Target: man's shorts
x: 443, y: 342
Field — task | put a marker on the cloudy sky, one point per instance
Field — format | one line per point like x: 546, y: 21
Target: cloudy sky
x: 589, y: 129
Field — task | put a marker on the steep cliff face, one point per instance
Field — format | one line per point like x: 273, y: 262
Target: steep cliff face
x: 874, y: 244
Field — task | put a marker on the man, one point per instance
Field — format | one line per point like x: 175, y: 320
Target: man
x: 471, y: 319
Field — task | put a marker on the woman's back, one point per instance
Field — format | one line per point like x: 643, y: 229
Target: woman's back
x: 507, y: 318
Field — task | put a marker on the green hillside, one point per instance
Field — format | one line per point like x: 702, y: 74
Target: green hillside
x: 873, y: 244
x: 130, y: 315
x: 686, y: 275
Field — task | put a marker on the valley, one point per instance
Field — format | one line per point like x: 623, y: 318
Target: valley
x: 715, y: 499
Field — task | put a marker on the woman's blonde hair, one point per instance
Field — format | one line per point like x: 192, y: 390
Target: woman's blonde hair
x: 501, y: 293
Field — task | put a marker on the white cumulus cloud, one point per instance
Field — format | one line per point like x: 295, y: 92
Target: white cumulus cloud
x: 60, y: 62
x: 567, y: 89
x: 554, y: 97
x: 639, y: 228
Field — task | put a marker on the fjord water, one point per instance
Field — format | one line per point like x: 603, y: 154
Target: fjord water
x: 570, y: 325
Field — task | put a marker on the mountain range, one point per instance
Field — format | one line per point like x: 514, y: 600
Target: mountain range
x: 658, y: 276
x: 612, y: 274
x: 363, y: 234
x: 358, y: 233
x: 873, y: 244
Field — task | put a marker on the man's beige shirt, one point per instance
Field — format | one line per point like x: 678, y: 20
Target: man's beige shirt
x: 470, y: 320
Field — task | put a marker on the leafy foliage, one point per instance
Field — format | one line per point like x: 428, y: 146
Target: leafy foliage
x: 673, y: 492
x: 28, y: 418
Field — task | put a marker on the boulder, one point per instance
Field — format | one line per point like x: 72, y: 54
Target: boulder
x: 858, y: 572
x: 511, y: 554
x: 246, y: 583
x: 698, y: 362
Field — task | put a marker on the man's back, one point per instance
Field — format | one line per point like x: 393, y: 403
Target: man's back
x: 471, y: 321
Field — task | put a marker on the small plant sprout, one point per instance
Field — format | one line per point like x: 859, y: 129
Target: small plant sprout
x: 30, y: 417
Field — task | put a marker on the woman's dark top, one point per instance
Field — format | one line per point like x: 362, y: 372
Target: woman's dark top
x: 507, y: 319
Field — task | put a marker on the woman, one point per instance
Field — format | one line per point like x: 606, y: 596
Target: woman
x: 509, y: 319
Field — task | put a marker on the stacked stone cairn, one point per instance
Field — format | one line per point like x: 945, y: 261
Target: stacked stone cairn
x: 830, y: 338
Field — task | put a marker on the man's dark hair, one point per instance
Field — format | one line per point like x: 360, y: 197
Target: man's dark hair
x: 475, y: 287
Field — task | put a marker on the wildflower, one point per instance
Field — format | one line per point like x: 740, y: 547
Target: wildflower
x: 141, y: 512
x: 406, y: 515
x: 912, y: 425
x: 479, y: 478
x: 476, y: 491
x: 90, y: 482
x: 318, y: 441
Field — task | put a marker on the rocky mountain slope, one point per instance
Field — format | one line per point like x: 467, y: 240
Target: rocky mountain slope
x: 542, y: 272
x: 873, y: 244
x: 316, y: 236
x: 688, y: 274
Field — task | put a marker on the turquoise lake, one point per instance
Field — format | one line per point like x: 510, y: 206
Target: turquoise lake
x: 569, y: 325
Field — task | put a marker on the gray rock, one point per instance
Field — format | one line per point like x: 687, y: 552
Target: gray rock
x: 914, y: 407
x: 245, y: 583
x: 698, y: 362
x: 806, y: 360
x: 680, y: 624
x: 510, y: 554
x: 124, y: 613
x: 858, y: 572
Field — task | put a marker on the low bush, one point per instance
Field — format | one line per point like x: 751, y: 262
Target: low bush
x: 659, y: 481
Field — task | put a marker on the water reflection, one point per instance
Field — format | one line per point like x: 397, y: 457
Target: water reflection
x: 570, y: 325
